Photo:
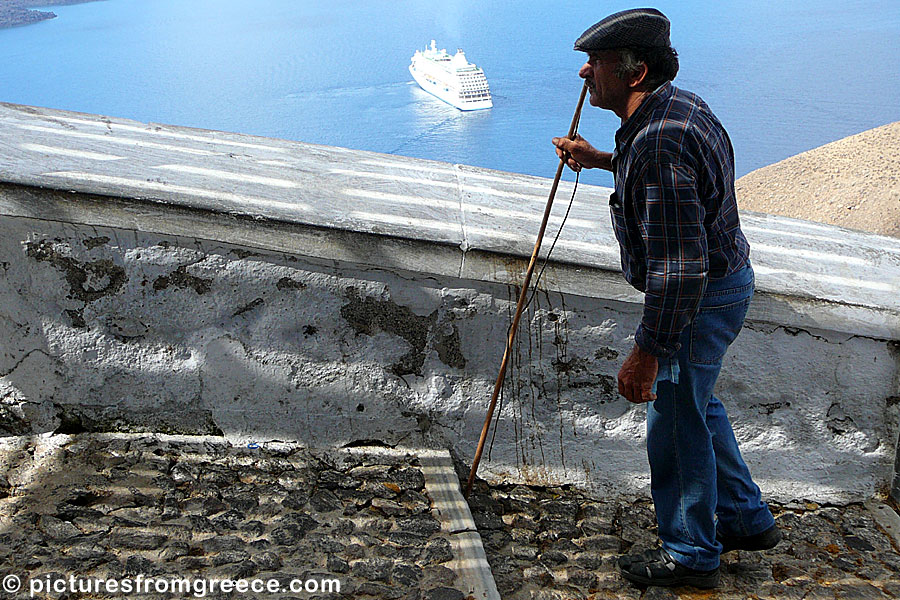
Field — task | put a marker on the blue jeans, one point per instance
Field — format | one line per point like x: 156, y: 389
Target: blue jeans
x: 697, y: 475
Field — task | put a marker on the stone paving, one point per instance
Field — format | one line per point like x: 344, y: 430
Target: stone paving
x: 119, y: 506
x: 123, y: 506
x: 556, y: 543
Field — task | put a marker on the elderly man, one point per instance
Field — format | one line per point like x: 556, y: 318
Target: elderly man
x: 676, y: 220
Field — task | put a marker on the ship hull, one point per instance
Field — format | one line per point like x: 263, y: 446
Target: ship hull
x: 446, y: 94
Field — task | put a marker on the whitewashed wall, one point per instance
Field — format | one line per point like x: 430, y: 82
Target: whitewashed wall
x: 165, y: 300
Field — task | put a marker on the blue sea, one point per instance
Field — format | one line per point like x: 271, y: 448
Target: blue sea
x: 783, y: 77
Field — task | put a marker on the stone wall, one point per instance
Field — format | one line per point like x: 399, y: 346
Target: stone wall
x: 127, y: 313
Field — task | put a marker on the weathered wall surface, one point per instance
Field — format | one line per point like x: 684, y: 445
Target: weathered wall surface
x: 135, y: 311
x: 111, y: 329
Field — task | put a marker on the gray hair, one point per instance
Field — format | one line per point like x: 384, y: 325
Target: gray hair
x: 662, y: 65
x: 628, y: 63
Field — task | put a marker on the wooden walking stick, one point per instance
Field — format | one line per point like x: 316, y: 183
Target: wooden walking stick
x: 522, y: 296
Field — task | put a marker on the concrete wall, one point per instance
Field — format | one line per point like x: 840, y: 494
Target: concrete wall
x: 166, y: 279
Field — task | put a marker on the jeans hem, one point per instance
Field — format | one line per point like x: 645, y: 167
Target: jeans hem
x: 691, y: 562
x: 749, y: 531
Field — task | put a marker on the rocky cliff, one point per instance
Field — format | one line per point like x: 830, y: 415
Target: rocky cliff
x: 18, y: 12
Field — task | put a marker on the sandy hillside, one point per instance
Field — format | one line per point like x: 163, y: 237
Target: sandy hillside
x: 853, y: 182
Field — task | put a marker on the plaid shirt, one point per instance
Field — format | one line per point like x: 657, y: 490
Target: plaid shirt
x: 674, y: 211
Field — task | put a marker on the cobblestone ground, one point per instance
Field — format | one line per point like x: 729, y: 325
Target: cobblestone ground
x: 556, y: 543
x: 119, y: 506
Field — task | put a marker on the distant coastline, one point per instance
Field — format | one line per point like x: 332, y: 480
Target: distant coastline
x: 14, y: 13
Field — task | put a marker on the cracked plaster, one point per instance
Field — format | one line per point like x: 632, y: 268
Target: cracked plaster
x: 200, y: 336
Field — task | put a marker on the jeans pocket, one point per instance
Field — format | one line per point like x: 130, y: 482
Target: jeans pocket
x: 713, y: 330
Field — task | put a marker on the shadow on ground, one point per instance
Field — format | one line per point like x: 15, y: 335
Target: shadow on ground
x: 121, y: 506
x: 557, y: 543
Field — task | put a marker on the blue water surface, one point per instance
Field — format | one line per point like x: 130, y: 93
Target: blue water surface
x: 783, y: 77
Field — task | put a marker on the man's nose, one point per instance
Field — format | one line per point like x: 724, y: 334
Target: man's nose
x: 585, y: 71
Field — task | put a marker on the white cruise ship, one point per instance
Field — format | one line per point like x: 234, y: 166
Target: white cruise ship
x: 453, y: 79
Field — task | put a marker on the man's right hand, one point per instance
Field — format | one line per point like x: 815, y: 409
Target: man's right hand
x: 580, y: 154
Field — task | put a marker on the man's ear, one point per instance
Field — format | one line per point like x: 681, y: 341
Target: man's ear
x: 637, y: 77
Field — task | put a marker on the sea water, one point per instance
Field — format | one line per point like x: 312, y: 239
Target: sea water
x: 783, y: 77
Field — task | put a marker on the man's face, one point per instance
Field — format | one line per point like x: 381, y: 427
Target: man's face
x: 607, y: 90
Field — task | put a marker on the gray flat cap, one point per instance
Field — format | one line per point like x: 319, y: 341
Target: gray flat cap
x: 645, y: 27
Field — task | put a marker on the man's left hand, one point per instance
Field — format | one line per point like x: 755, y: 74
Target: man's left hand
x: 637, y: 375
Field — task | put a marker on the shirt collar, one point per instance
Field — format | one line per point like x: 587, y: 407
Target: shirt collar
x: 639, y: 117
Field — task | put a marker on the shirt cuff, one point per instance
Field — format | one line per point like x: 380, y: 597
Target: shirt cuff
x: 649, y: 345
